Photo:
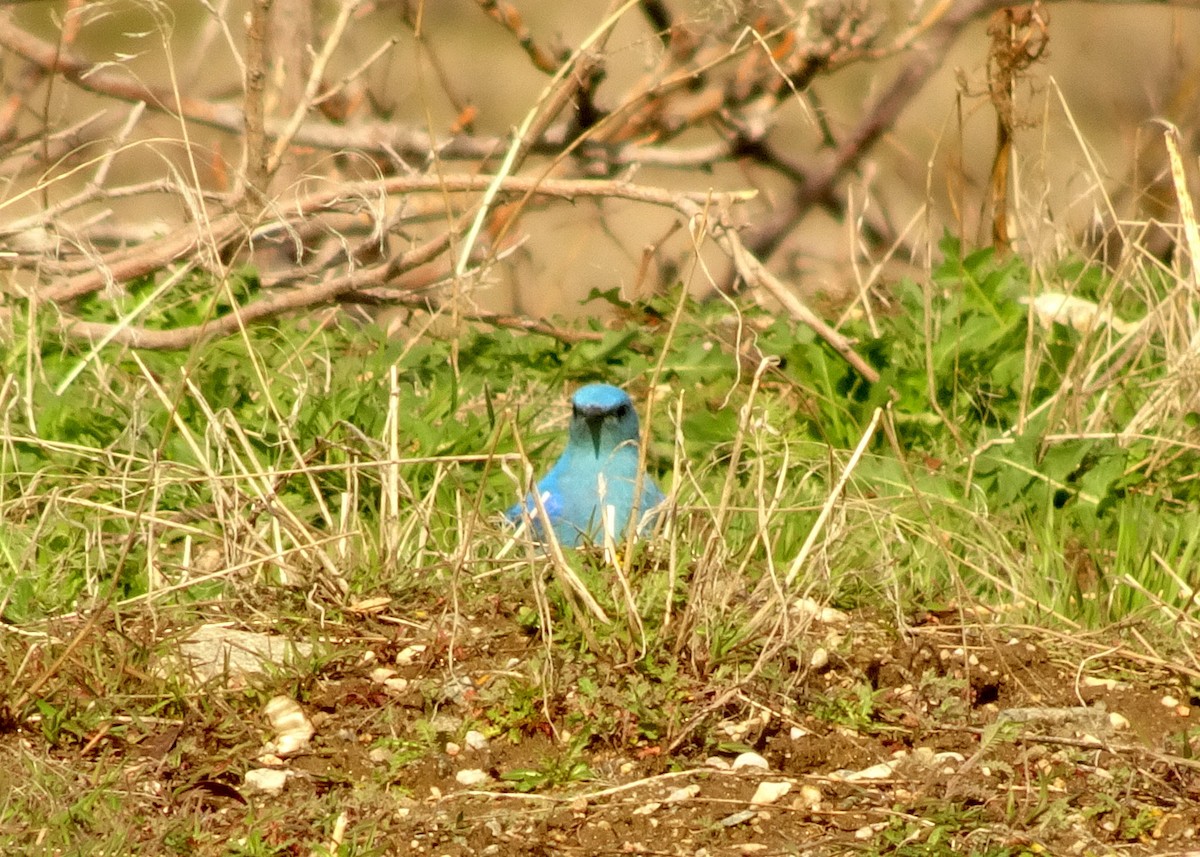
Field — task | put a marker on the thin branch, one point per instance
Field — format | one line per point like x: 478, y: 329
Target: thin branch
x: 255, y: 170
x: 140, y: 261
x: 316, y: 75
x: 820, y: 183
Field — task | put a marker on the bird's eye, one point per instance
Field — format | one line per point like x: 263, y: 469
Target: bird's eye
x: 622, y: 412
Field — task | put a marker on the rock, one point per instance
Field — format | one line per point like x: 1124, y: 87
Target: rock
x: 216, y: 651
x: 750, y: 760
x: 768, y: 793
x: 381, y: 674
x: 293, y: 730
x: 683, y: 793
x: 268, y: 780
x: 471, y: 777
x: 409, y: 654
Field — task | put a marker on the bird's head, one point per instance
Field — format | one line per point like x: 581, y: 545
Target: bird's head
x: 602, y: 418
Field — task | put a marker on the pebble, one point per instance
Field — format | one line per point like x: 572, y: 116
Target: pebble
x: 471, y: 777
x: 381, y: 674
x: 293, y: 730
x: 379, y: 754
x: 737, y: 818
x: 819, y: 658
x: 768, y: 793
x: 750, y: 760
x: 409, y: 654
x: 268, y: 780
x: 683, y: 793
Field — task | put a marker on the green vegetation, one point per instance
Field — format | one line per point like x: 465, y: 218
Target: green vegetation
x: 1043, y: 468
x: 290, y: 477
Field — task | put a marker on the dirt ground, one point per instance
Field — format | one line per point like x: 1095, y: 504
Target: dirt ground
x: 858, y: 739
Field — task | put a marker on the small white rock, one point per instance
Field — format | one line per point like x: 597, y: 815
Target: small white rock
x: 646, y: 809
x: 882, y: 771
x: 409, y: 654
x: 293, y: 730
x: 810, y: 796
x: 819, y: 658
x: 830, y: 616
x: 452, y: 749
x: 738, y: 818
x: 268, y: 780
x: 806, y: 608
x: 750, y: 760
x: 381, y: 674
x: 396, y: 685
x: 768, y: 793
x: 717, y: 762
x: 796, y: 733
x: 475, y: 740
x: 683, y: 793
x: 1169, y: 702
x: 471, y: 777
x: 379, y: 755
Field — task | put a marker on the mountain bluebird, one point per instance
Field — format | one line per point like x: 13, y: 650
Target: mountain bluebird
x: 596, y: 474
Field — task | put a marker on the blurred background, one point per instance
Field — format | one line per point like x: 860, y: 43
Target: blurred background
x: 1087, y: 149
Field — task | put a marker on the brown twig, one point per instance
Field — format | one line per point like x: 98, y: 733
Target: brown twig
x: 139, y: 261
x: 179, y: 248
x: 819, y: 185
x: 757, y: 275
x: 256, y: 156
x: 507, y: 16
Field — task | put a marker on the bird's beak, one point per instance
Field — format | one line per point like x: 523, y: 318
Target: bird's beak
x: 595, y: 424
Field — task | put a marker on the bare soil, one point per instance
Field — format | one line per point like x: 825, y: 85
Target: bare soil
x: 588, y: 755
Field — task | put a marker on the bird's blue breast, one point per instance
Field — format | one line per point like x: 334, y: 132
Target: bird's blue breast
x: 597, y: 470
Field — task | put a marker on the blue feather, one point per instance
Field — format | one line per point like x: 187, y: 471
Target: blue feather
x: 598, y: 469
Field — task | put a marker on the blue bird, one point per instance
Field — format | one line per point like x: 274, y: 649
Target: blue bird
x: 602, y: 442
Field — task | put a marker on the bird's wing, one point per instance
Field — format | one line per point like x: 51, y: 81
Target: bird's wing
x: 652, y: 495
x: 551, y: 499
